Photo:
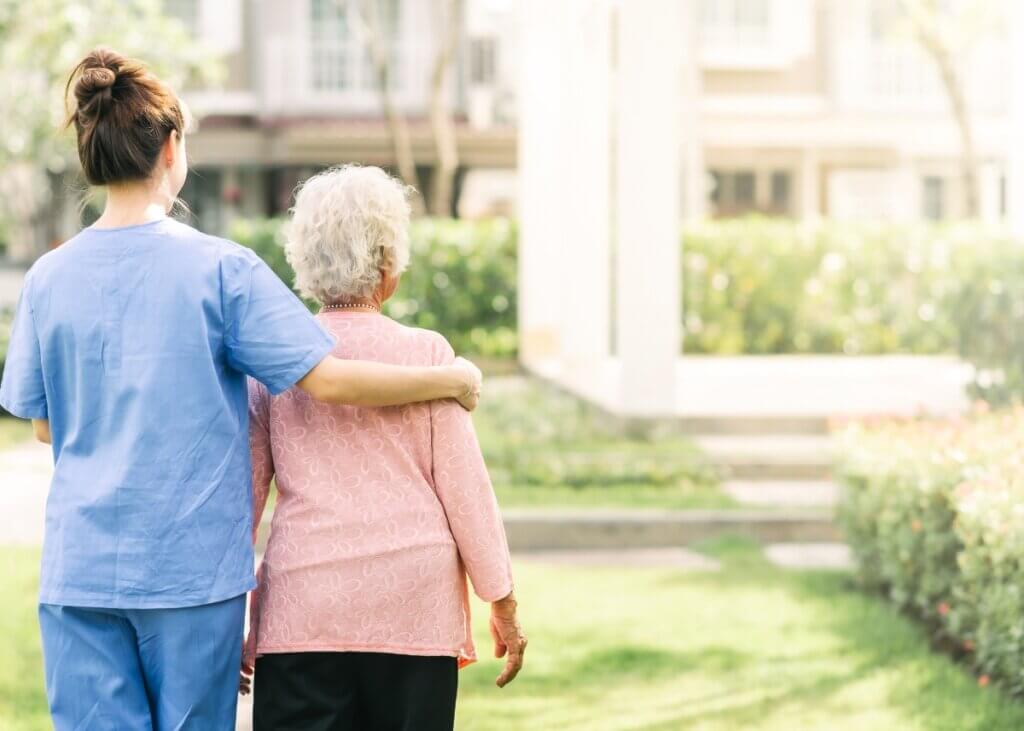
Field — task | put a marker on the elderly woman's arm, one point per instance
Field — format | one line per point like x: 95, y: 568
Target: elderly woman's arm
x: 464, y: 489
x: 262, y: 475
x: 362, y: 383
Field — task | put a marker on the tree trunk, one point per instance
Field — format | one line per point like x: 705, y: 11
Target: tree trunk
x: 958, y: 101
x: 445, y: 142
x: 924, y: 14
x: 398, y: 128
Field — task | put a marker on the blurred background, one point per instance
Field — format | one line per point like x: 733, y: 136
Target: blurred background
x: 747, y: 281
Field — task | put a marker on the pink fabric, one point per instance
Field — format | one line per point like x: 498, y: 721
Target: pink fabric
x: 381, y: 513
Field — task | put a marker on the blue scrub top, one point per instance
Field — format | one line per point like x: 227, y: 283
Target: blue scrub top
x: 135, y: 343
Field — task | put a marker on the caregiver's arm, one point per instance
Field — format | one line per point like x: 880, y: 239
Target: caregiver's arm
x: 365, y: 383
x: 41, y: 427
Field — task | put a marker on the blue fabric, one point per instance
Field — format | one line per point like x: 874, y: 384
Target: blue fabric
x: 143, y: 669
x: 135, y: 343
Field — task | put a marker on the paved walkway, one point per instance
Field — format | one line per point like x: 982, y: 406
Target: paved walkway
x: 26, y: 470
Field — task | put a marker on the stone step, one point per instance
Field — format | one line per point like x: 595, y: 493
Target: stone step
x: 791, y: 457
x: 783, y: 493
x: 594, y: 529
x: 752, y: 425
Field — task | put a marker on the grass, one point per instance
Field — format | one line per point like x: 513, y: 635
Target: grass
x: 22, y: 698
x: 14, y: 431
x: 750, y: 648
x: 545, y: 448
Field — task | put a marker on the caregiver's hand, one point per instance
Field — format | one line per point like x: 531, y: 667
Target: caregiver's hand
x: 474, y: 382
x: 508, y: 638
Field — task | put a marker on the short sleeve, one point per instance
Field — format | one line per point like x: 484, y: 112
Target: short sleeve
x: 23, y: 391
x: 269, y: 333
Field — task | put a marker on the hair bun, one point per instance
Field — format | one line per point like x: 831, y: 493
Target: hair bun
x: 96, y: 79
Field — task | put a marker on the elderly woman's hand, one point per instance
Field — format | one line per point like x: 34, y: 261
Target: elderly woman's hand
x: 508, y: 638
x: 474, y: 382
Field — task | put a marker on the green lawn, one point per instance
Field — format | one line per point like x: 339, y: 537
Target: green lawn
x: 13, y: 431
x: 22, y: 698
x: 748, y: 649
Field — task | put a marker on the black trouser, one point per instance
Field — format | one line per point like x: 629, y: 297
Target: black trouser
x: 354, y: 691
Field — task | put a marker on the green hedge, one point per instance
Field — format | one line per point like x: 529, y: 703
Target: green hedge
x: 934, y: 513
x: 460, y: 281
x: 763, y: 286
x: 754, y: 286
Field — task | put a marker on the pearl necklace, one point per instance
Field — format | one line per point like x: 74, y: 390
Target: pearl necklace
x: 349, y: 306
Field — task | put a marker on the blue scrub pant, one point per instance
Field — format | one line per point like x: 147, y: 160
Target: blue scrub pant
x: 143, y: 669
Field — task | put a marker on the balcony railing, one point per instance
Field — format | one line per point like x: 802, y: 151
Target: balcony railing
x: 902, y: 77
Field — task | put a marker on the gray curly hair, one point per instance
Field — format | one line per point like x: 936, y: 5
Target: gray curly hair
x: 348, y: 225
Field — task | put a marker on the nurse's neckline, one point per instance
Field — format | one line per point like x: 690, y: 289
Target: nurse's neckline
x: 104, y: 229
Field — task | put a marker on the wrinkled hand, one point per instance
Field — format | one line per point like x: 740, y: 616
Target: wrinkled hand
x: 474, y: 382
x: 245, y: 679
x: 509, y: 638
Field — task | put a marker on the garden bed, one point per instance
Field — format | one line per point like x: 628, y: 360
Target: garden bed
x: 934, y: 513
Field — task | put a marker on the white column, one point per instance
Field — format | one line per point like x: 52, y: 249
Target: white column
x: 989, y: 193
x: 542, y: 176
x: 584, y: 194
x: 809, y: 206
x: 647, y: 207
x: 695, y: 194
x: 906, y: 203
x: 1015, y: 169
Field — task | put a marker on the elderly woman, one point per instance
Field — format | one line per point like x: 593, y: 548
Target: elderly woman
x: 361, y: 617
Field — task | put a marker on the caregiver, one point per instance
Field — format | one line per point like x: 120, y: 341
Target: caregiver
x: 130, y: 351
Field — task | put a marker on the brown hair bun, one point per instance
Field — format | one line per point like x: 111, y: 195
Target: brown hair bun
x: 122, y: 114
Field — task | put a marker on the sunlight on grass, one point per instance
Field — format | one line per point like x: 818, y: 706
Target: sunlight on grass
x: 750, y: 648
x: 22, y: 698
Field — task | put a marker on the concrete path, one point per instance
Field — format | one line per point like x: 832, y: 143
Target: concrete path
x: 809, y: 555
x: 26, y: 469
x: 677, y: 558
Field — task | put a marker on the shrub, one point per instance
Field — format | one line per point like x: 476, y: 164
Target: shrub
x: 934, y: 513
x: 536, y: 435
x: 766, y: 286
x: 460, y: 281
x: 754, y: 286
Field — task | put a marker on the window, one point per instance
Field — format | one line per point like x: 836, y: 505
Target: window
x: 933, y: 192
x: 739, y: 192
x: 483, y: 54
x: 745, y: 190
x: 780, y: 192
x: 187, y: 11
x: 733, y: 192
x: 736, y: 23
x: 340, y: 40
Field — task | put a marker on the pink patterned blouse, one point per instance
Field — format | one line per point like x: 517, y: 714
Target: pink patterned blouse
x: 381, y: 513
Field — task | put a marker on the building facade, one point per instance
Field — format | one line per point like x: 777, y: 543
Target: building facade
x: 302, y: 94
x: 832, y: 108
x: 800, y: 108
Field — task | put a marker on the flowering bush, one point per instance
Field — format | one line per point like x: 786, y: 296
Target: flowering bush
x: 934, y: 512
